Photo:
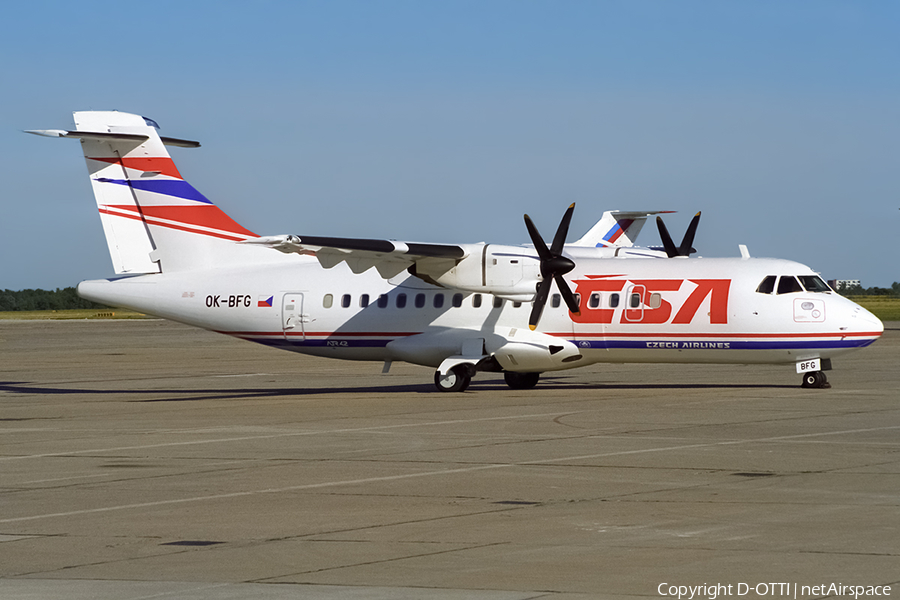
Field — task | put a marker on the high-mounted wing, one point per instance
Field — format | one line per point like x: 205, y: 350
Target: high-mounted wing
x: 387, y: 256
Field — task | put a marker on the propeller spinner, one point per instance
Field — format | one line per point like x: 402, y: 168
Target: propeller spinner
x: 686, y: 247
x: 553, y: 266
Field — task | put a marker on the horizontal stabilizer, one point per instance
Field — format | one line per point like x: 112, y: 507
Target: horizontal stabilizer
x: 106, y: 136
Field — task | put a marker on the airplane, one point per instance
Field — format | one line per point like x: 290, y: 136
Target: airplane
x: 460, y: 309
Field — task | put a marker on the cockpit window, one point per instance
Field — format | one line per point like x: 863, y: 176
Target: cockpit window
x: 814, y: 283
x: 767, y: 286
x: 788, y: 285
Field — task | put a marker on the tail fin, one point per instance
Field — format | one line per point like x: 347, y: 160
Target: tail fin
x: 153, y: 219
x: 617, y: 229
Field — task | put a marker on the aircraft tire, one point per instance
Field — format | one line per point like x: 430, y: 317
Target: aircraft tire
x: 815, y: 379
x: 521, y: 381
x: 456, y: 380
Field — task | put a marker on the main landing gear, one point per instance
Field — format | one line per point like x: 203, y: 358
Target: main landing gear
x: 456, y: 379
x: 815, y: 379
x: 459, y: 377
x: 521, y: 381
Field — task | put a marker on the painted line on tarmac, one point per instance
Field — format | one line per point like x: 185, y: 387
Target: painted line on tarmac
x: 470, y: 469
x: 274, y: 436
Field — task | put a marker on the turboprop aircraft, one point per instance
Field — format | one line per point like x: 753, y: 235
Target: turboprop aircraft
x: 460, y: 309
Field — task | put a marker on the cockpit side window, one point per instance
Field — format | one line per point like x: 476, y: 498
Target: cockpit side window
x: 788, y: 285
x: 813, y: 283
x: 767, y: 286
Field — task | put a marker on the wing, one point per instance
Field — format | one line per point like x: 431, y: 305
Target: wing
x: 389, y: 257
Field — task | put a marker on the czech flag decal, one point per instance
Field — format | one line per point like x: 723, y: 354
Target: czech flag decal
x: 264, y: 301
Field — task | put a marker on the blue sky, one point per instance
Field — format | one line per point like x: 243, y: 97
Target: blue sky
x: 446, y: 121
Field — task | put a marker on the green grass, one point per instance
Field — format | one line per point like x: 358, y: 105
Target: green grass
x: 61, y: 315
x: 886, y: 308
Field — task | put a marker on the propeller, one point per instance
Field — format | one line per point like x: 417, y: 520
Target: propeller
x: 686, y: 247
x: 553, y: 266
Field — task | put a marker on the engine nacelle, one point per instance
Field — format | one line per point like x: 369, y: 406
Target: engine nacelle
x: 510, y: 272
x: 526, y: 351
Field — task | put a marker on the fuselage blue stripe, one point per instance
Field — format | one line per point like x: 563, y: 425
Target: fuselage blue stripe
x: 721, y: 344
x: 339, y: 342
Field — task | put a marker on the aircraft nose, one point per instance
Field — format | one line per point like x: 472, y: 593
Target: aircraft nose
x: 861, y: 320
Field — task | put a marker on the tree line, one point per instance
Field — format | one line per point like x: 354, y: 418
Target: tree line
x: 58, y: 299
x: 858, y: 290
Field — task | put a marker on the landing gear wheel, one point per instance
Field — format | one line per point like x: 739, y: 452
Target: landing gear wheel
x: 457, y: 379
x: 815, y: 379
x: 521, y: 381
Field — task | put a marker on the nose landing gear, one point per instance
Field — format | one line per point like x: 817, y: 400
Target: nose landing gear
x: 815, y: 379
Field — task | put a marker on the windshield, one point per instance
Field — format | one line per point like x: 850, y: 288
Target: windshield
x: 767, y: 286
x: 814, y: 283
x: 788, y: 285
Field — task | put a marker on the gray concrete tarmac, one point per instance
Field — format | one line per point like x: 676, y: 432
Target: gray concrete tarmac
x: 145, y: 459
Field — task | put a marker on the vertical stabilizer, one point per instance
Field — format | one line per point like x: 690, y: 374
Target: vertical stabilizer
x: 616, y: 229
x: 127, y: 235
x: 153, y: 219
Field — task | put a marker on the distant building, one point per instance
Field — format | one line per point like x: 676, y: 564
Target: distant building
x: 838, y: 284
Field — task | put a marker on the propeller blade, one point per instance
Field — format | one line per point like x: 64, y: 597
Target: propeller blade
x: 567, y: 295
x: 559, y: 240
x: 668, y: 244
x: 540, y: 299
x: 553, y: 266
x: 537, y: 240
x: 687, y: 243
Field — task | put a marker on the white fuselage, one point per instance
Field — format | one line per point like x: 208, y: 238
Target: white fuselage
x: 633, y: 310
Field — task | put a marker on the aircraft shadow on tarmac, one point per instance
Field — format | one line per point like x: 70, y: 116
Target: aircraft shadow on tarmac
x: 193, y: 395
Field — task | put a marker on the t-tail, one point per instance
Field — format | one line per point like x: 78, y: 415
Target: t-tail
x: 154, y: 220
x: 616, y: 229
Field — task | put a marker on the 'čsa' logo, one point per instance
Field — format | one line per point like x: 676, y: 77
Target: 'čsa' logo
x: 643, y: 300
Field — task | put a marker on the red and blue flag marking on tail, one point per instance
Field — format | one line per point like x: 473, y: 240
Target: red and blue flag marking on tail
x: 166, y: 200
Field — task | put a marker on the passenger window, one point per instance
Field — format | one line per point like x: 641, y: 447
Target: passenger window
x: 476, y: 301
x: 401, y: 300
x: 814, y: 283
x: 327, y: 301
x: 788, y: 285
x: 457, y: 300
x: 345, y: 300
x: 420, y: 300
x: 767, y: 285
x: 577, y: 299
x: 382, y: 301
x: 498, y: 302
x: 438, y: 300
x: 635, y: 300
x: 594, y: 300
x: 363, y: 300
x: 554, y: 301
x: 613, y: 300
x: 655, y: 300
